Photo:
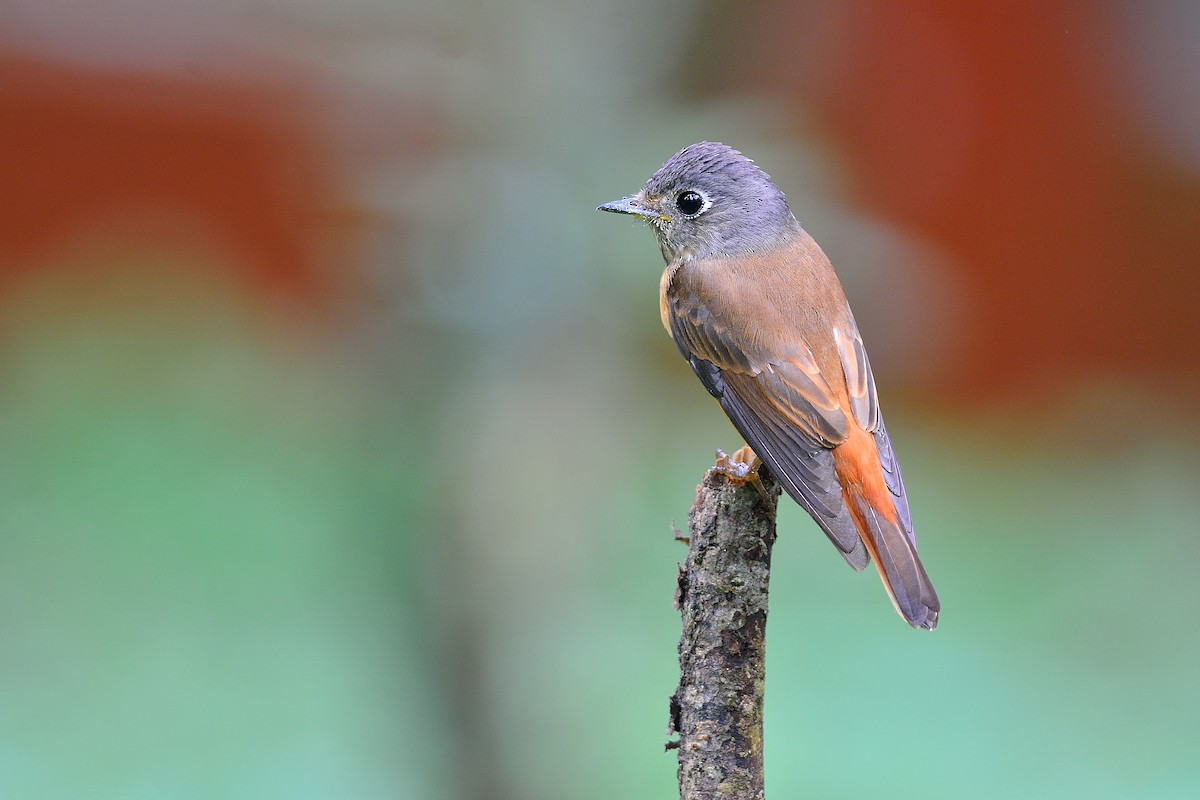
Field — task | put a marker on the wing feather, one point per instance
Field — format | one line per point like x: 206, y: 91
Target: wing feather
x: 797, y: 408
x: 802, y: 464
x: 893, y: 479
x: 860, y: 383
x: 783, y: 407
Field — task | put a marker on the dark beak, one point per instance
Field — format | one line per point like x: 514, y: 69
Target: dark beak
x: 629, y: 205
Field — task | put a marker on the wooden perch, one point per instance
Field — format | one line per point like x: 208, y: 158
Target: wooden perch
x: 722, y: 595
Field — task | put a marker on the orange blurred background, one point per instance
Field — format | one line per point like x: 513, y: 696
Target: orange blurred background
x: 1027, y: 142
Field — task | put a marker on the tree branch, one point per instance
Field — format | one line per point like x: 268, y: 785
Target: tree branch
x: 718, y: 708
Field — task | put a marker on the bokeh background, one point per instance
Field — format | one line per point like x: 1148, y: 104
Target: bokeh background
x: 341, y: 443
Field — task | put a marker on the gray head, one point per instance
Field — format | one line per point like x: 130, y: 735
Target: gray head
x: 710, y: 200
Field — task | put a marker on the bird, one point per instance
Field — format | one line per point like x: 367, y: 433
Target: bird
x: 754, y: 305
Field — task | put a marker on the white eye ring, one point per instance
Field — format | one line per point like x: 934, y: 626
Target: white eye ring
x: 691, y: 203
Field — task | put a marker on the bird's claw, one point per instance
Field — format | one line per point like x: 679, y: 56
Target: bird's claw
x: 741, y: 467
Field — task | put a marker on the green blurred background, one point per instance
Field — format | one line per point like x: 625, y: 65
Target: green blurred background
x: 342, y: 442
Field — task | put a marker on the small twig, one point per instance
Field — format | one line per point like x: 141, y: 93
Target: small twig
x: 722, y: 595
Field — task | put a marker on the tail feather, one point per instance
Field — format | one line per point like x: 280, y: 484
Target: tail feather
x: 896, y: 558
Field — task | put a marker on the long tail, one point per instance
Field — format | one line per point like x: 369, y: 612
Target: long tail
x: 874, y: 512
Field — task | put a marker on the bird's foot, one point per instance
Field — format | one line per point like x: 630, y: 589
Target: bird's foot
x: 741, y: 467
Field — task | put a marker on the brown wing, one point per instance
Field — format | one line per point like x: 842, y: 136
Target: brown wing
x: 776, y: 396
x: 774, y: 341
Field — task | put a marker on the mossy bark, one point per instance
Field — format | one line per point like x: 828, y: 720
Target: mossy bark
x: 718, y: 708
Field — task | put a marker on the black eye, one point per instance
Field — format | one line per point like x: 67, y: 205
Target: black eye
x: 690, y: 203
